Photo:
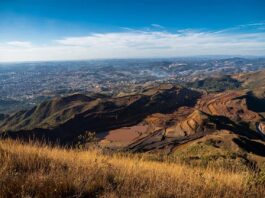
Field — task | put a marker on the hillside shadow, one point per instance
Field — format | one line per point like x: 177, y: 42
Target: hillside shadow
x: 255, y: 104
x: 250, y: 146
x: 224, y: 123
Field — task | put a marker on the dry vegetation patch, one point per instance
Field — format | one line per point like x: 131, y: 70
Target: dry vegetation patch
x: 32, y: 170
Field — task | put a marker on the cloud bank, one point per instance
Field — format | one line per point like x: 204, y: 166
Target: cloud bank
x: 138, y: 44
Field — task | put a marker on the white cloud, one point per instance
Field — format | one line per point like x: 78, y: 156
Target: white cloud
x: 23, y: 44
x: 157, y: 26
x: 133, y: 43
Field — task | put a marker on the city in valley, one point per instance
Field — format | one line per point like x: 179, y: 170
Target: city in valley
x: 24, y: 85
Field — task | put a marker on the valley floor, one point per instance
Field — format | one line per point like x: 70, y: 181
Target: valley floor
x: 35, y: 170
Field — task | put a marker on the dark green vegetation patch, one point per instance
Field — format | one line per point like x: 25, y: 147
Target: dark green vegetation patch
x: 215, y: 84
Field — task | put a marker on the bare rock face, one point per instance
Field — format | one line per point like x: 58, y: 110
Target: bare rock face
x: 261, y: 127
x: 230, y: 104
x: 197, y: 122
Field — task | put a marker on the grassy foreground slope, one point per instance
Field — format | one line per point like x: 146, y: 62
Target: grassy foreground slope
x: 31, y: 170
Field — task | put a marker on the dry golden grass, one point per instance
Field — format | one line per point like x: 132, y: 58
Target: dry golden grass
x: 32, y: 170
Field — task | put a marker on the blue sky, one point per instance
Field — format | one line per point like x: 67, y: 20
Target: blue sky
x: 79, y: 29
